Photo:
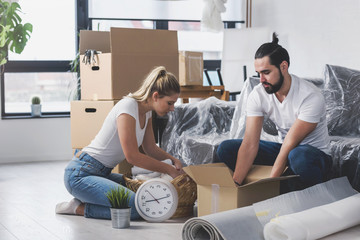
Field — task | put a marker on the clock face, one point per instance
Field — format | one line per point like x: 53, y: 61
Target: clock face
x: 156, y: 200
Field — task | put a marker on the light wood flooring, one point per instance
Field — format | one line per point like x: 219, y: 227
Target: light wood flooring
x: 28, y: 195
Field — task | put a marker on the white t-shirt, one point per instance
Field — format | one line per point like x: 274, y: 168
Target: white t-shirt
x: 106, y: 146
x: 304, y: 101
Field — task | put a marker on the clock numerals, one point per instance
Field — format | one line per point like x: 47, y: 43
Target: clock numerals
x: 156, y: 200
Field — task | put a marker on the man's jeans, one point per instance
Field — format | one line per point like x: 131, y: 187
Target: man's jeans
x: 311, y: 164
x: 89, y: 180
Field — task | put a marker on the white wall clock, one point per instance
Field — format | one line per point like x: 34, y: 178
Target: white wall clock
x: 156, y: 200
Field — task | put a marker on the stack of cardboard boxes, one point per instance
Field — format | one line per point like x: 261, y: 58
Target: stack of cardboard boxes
x: 113, y: 64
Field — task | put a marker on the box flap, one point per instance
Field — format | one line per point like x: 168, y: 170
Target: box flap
x: 207, y: 174
x: 143, y: 41
x: 264, y: 180
x: 96, y: 40
x: 257, y: 172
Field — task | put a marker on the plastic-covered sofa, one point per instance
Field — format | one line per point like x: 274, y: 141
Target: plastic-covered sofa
x: 193, y: 131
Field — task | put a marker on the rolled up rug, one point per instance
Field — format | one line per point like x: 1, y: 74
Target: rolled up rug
x: 316, y: 222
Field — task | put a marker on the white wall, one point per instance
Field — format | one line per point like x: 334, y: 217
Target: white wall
x: 27, y: 140
x: 315, y: 32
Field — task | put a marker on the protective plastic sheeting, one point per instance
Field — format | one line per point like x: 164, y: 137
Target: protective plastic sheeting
x: 194, y: 130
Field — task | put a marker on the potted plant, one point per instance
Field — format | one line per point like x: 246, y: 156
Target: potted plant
x: 13, y: 34
x: 120, y: 211
x: 35, y: 106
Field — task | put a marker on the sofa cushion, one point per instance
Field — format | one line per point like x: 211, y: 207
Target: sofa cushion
x: 342, y: 94
x: 345, y: 152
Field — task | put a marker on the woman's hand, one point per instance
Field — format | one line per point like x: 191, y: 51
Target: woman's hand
x: 174, y: 172
x: 177, y: 163
x: 176, y: 168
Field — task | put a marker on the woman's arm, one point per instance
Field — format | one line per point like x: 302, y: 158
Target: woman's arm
x: 151, y: 149
x: 126, y: 125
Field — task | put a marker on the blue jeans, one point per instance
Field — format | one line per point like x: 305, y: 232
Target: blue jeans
x: 89, y: 180
x: 311, y: 164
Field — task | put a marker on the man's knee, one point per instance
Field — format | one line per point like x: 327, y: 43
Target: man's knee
x: 227, y: 152
x: 306, y: 156
x: 309, y: 163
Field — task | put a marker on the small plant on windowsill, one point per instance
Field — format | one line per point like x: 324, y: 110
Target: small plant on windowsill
x: 35, y: 106
x: 120, y: 211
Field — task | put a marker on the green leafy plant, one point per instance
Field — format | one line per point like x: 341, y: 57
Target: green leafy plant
x: 35, y: 100
x: 118, y: 197
x: 13, y: 34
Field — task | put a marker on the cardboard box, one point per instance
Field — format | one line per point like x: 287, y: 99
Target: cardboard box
x: 86, y: 119
x: 127, y: 56
x: 191, y: 68
x: 217, y: 191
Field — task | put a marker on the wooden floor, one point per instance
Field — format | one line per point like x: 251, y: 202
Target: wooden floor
x: 28, y: 195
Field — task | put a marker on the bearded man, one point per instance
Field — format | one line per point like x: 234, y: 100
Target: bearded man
x: 297, y: 108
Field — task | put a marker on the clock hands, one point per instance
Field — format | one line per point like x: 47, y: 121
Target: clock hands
x: 152, y: 196
x: 157, y: 199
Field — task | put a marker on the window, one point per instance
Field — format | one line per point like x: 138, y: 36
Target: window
x: 43, y: 67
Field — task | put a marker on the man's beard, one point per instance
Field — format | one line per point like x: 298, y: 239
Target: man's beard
x: 273, y: 88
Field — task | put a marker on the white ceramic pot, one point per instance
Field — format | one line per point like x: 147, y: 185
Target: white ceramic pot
x: 120, y: 218
x: 35, y: 110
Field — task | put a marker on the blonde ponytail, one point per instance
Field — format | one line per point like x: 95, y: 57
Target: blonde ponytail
x: 158, y: 80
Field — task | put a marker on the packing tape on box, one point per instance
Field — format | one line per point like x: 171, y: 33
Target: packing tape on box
x: 248, y: 222
x: 215, y: 191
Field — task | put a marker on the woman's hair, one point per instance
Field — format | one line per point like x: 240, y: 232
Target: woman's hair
x: 276, y: 53
x: 158, y: 80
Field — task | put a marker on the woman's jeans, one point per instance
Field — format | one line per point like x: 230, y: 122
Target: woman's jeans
x: 89, y: 180
x: 311, y: 164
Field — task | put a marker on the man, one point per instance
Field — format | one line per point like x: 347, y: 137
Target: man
x: 298, y: 110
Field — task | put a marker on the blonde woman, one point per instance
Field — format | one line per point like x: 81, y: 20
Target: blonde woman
x: 128, y: 125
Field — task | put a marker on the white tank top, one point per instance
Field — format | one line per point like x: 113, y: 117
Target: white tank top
x: 106, y: 146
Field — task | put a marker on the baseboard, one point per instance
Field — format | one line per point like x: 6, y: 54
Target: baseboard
x: 36, y: 158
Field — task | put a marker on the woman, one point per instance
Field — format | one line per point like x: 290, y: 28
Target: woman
x: 128, y: 125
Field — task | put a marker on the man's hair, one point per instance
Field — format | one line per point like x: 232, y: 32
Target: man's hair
x: 276, y: 53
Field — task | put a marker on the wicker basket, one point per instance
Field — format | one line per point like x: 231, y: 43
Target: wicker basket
x: 185, y: 187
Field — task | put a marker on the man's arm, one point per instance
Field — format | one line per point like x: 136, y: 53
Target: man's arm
x: 248, y: 149
x: 298, y: 131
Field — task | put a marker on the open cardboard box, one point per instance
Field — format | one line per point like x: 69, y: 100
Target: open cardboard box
x: 127, y: 56
x: 217, y: 191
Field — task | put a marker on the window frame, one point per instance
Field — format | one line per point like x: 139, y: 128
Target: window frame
x: 82, y: 22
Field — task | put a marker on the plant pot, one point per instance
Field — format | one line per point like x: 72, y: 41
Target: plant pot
x: 120, y: 218
x: 35, y: 110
